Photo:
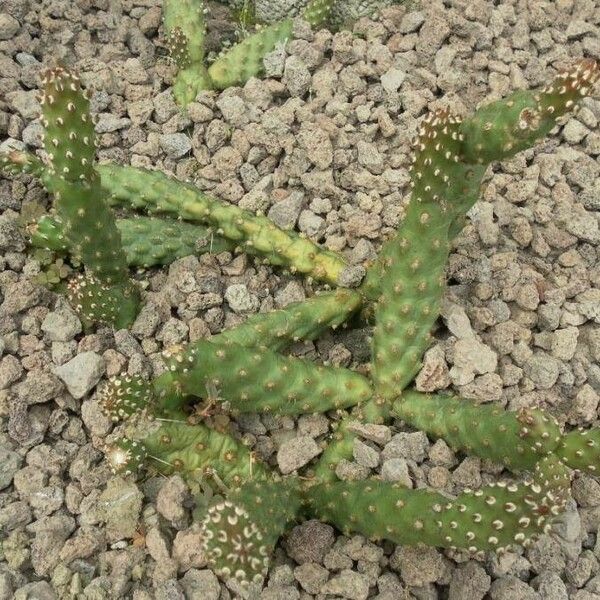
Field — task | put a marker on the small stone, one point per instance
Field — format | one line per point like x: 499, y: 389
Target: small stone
x: 107, y: 123
x: 392, y: 79
x: 472, y: 357
x: 11, y: 238
x: 412, y: 446
x: 509, y: 587
x: 8, y: 26
x: 10, y: 463
x: 175, y: 145
x: 50, y: 535
x: 188, y: 551
x: 201, y: 584
x: 296, y: 453
x: 61, y: 325
x: 365, y: 455
x: 120, y: 505
x: 348, y: 584
x: 411, y: 21
x: 285, y: 213
x: 311, y: 224
x: 396, y: 469
x: 564, y: 343
x: 418, y: 566
x: 170, y: 499
x: 39, y: 387
x: 550, y: 586
x: 81, y: 373
x: 469, y: 582
x: 39, y: 590
x: 380, y: 434
x: 10, y: 371
x: 311, y: 577
x: 542, y: 369
x: 585, y: 405
x: 296, y: 76
x: 309, y: 542
x: 240, y: 299
x: 434, y: 374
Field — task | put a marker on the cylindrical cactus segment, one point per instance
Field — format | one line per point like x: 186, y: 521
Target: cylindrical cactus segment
x: 185, y: 28
x: 196, y: 451
x: 411, y: 280
x: 96, y: 302
x: 241, y: 531
x: 155, y: 192
x: 125, y: 396
x: 515, y: 439
x: 495, y: 517
x: 69, y: 138
x: 147, y: 241
x: 251, y: 381
x: 245, y: 59
x: 503, y: 128
x: 304, y: 320
x: 580, y: 449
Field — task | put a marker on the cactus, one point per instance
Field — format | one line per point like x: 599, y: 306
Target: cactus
x: 156, y: 193
x: 185, y: 29
x: 242, y: 370
x: 194, y: 451
x: 147, y: 241
x: 89, y: 226
x: 240, y: 532
x: 407, y: 278
x: 495, y: 517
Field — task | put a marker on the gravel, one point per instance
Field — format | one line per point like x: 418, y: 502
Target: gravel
x: 320, y: 146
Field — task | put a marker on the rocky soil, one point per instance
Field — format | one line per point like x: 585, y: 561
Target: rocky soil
x: 321, y: 145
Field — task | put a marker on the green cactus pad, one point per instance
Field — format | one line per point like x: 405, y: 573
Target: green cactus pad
x: 501, y: 129
x: 155, y: 192
x: 96, y: 302
x: 126, y: 456
x: 258, y: 381
x: 122, y: 397
x: 147, y: 241
x: 245, y: 59
x: 185, y: 29
x: 240, y: 532
x: 69, y: 137
x: 318, y: 12
x: 580, y: 449
x: 412, y: 280
x: 495, y: 517
x: 197, y: 452
x: 515, y: 439
x: 304, y: 320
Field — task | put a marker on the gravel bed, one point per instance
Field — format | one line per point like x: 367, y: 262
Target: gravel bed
x: 321, y: 145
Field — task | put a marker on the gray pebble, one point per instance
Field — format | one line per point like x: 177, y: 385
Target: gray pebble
x: 39, y: 590
x: 107, y: 123
x: 309, y: 542
x: 296, y: 453
x: 10, y: 462
x: 61, y: 325
x: 396, y: 469
x: 348, y: 584
x: 120, y: 505
x: 81, y: 373
x: 8, y: 26
x: 201, y: 584
x: 240, y: 299
x: 175, y: 145
x: 311, y: 577
x: 412, y: 446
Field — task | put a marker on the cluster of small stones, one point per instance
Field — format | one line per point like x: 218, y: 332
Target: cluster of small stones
x: 520, y: 317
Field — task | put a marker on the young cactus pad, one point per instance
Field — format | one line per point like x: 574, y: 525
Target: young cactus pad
x: 240, y: 532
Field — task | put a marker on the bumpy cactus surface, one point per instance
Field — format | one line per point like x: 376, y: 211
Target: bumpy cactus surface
x: 243, y: 369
